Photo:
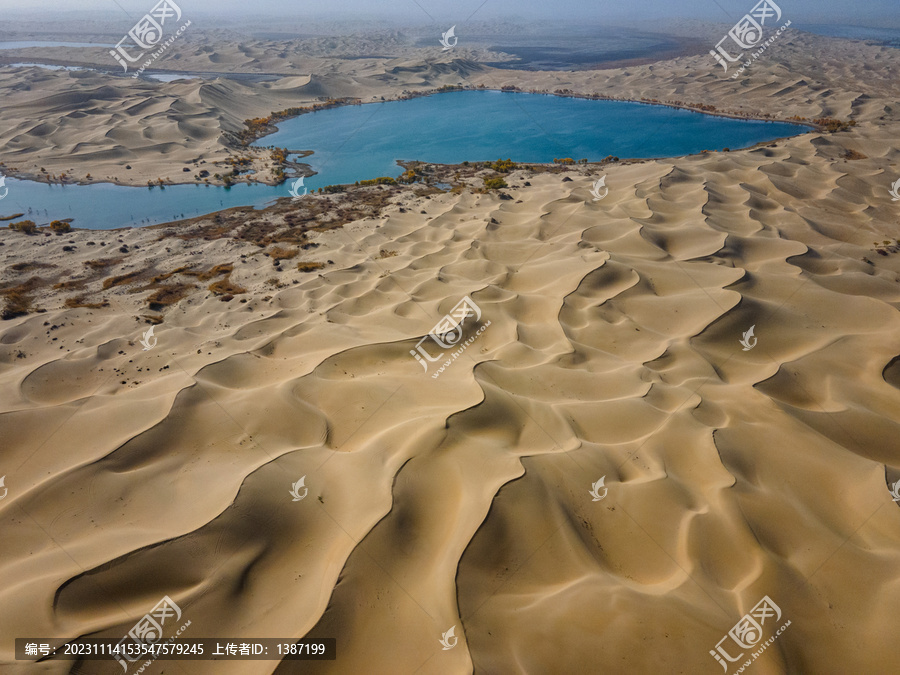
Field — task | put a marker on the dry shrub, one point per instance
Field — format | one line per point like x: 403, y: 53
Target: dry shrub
x: 188, y: 270
x: 121, y: 279
x: 385, y: 253
x: 226, y: 287
x: 18, y: 298
x: 26, y: 226
x: 167, y: 275
x: 25, y: 266
x: 310, y: 266
x: 17, y: 303
x: 72, y: 285
x: 167, y: 295
x: 213, y: 272
x: 102, y: 263
x: 81, y: 301
x: 257, y: 231
x: 279, y: 253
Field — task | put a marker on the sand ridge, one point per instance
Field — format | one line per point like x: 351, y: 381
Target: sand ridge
x: 157, y: 128
x: 613, y: 350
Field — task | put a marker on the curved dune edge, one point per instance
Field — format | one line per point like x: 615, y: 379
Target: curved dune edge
x: 94, y: 128
x: 613, y: 350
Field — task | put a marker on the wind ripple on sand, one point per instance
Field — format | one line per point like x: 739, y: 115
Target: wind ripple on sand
x: 613, y: 350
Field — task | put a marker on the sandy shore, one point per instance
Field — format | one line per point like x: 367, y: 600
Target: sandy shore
x: 613, y: 351
x: 85, y: 126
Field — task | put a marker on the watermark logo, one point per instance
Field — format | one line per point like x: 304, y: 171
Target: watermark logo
x: 147, y: 631
x: 147, y: 33
x: 148, y: 336
x: 449, y: 638
x: 598, y: 184
x: 895, y: 190
x: 448, y: 333
x: 295, y: 189
x: 595, y: 490
x: 6, y: 189
x: 446, y: 37
x: 747, y: 633
x: 748, y: 33
x: 746, y: 341
x: 295, y: 490
x: 895, y: 490
x: 5, y: 489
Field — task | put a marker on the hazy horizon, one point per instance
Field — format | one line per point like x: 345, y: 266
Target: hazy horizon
x: 882, y: 12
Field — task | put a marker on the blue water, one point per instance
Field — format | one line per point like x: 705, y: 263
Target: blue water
x: 170, y: 77
x: 104, y: 206
x: 159, y: 76
x: 358, y: 142
x: 889, y: 37
x: 44, y: 66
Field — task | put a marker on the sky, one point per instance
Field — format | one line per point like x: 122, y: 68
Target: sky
x: 867, y: 12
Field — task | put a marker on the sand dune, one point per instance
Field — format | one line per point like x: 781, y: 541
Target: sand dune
x: 613, y: 351
x: 69, y: 106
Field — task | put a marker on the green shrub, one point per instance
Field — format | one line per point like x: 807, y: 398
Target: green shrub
x: 408, y: 177
x: 381, y: 180
x: 503, y: 165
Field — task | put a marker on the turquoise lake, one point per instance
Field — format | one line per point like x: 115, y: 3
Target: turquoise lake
x: 358, y: 142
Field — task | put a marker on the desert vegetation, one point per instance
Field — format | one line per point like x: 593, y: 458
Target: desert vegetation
x: 381, y: 180
x: 503, y: 165
x: 167, y: 295
x: 494, y: 183
x: 24, y: 226
x: 226, y: 287
x: 281, y: 253
x: 17, y: 299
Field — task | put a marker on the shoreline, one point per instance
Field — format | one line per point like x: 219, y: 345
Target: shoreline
x: 591, y: 97
x: 620, y: 405
x: 690, y: 107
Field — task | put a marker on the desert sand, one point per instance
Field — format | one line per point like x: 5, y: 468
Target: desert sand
x: 613, y: 351
x: 95, y: 128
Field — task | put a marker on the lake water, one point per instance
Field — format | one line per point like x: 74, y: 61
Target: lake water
x: 44, y: 66
x: 888, y: 37
x: 152, y: 74
x: 358, y: 142
x: 355, y: 142
x: 576, y: 47
x: 170, y: 77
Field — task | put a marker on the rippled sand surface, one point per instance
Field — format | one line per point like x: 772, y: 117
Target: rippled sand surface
x: 464, y: 501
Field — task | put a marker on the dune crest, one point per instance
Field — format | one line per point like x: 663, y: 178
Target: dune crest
x: 617, y: 349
